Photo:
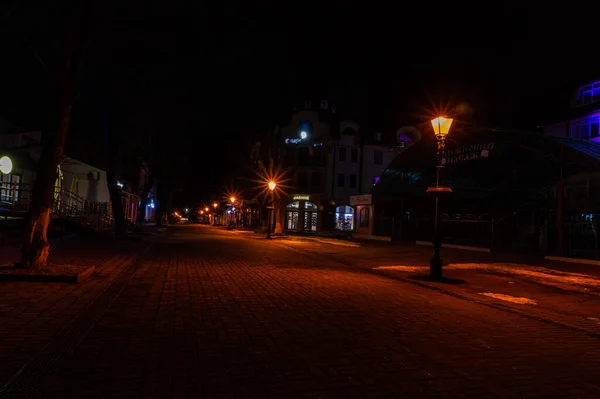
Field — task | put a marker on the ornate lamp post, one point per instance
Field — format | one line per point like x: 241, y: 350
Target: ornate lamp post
x: 215, y: 214
x: 441, y: 127
x: 272, y: 186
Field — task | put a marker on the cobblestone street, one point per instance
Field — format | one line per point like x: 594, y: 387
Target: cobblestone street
x: 209, y: 313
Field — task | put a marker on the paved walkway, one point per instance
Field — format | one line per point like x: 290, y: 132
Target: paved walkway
x: 215, y: 314
x: 32, y: 313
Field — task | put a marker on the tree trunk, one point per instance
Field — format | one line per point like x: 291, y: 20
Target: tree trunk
x: 35, y: 247
x: 141, y: 214
x: 118, y: 213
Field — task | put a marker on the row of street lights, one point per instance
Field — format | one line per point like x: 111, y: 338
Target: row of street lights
x: 441, y: 127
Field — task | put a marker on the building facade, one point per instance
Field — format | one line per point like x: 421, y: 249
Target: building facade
x: 80, y: 190
x: 328, y: 161
x: 584, y: 116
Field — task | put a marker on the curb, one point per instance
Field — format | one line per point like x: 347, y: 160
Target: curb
x: 453, y: 246
x: 592, y: 262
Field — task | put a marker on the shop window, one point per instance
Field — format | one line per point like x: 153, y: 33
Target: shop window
x: 344, y: 216
x: 310, y: 206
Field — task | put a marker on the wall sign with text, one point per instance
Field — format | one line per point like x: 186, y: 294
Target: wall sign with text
x: 301, y: 197
x: 468, y: 153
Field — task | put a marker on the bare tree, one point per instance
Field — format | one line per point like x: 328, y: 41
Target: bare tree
x: 35, y: 247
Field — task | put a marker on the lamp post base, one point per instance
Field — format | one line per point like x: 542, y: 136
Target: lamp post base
x: 270, y: 209
x: 435, y: 268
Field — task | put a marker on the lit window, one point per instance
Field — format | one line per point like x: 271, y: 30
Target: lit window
x: 588, y: 94
x: 585, y: 128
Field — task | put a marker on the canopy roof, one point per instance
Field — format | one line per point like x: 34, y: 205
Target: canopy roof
x: 489, y: 164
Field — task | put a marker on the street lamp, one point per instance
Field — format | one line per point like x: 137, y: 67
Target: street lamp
x: 187, y: 216
x: 215, y: 214
x: 6, y: 165
x: 270, y: 208
x: 441, y: 127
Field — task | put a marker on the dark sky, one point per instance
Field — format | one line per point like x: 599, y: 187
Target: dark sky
x: 213, y: 76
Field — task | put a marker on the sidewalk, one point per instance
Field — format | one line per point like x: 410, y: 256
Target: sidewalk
x: 31, y: 313
x: 563, y: 293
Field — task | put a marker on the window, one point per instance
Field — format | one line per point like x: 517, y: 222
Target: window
x: 318, y: 153
x: 364, y: 217
x: 378, y: 157
x: 290, y: 154
x: 9, y: 187
x: 352, y: 181
x: 585, y: 128
x: 303, y: 155
x: 588, y: 94
x: 341, y: 178
x: 378, y: 137
x: 342, y: 154
x: 375, y: 179
x: 354, y: 155
x: 315, y: 179
x: 302, y: 180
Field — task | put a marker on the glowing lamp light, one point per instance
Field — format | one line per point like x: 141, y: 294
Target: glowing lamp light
x: 232, y: 199
x: 441, y: 125
x: 206, y: 209
x: 303, y: 135
x: 215, y: 205
x: 6, y: 165
x: 202, y: 212
x: 272, y: 185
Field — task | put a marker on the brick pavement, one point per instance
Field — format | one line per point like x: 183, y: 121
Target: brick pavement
x: 577, y: 308
x: 31, y: 313
x: 222, y: 316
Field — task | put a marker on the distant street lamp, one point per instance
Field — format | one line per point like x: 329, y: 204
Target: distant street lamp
x: 215, y: 214
x: 441, y: 127
x: 6, y: 165
x: 187, y: 217
x: 270, y: 208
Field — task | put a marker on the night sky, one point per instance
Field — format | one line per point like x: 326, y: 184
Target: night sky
x: 214, y: 76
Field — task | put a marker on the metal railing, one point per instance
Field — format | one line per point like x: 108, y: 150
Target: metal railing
x: 15, y: 198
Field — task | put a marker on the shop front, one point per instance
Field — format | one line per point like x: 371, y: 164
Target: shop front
x: 344, y: 218
x: 301, y: 214
x: 364, y: 213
